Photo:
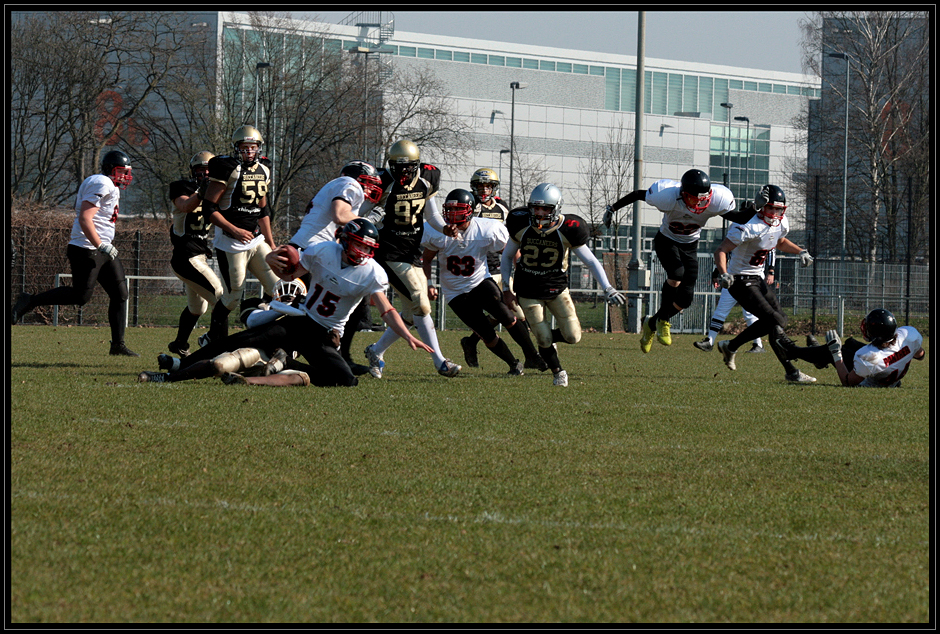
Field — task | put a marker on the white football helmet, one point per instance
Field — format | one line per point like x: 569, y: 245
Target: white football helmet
x: 289, y: 291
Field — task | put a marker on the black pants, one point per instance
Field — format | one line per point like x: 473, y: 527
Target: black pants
x: 470, y: 307
x: 325, y: 366
x: 757, y: 298
x: 88, y: 267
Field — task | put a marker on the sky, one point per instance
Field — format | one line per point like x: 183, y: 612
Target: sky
x: 764, y: 40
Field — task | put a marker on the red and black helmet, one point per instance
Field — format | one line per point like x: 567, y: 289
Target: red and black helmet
x: 367, y: 176
x: 458, y: 207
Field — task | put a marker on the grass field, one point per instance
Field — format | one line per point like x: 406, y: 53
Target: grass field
x: 656, y: 488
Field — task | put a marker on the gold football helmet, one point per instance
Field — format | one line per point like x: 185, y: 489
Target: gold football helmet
x: 403, y: 159
x: 247, y: 134
x: 481, y: 178
x: 199, y: 165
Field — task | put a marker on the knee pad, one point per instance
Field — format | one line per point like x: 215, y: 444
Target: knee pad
x: 236, y: 361
x: 684, y: 295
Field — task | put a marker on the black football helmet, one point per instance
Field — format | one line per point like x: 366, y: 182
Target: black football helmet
x: 359, y: 239
x: 458, y: 207
x: 879, y: 327
x: 367, y: 176
x: 116, y: 165
x: 403, y: 161
x: 771, y: 204
x: 696, y: 190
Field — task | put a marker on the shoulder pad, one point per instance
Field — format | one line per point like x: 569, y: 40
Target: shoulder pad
x: 181, y: 188
x: 575, y: 229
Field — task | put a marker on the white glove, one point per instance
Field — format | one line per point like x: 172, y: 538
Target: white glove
x: 726, y: 280
x: 375, y: 215
x: 613, y: 296
x: 805, y: 258
x: 608, y: 216
x: 108, y: 250
x: 834, y: 344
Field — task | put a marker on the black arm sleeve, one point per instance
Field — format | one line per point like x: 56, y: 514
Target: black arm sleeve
x: 632, y: 197
x: 742, y: 215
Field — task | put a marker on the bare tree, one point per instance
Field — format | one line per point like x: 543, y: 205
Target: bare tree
x: 888, y: 125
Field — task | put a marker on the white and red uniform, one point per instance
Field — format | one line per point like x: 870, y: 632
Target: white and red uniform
x: 680, y: 224
x: 463, y: 261
x: 335, y: 289
x: 100, y: 191
x: 755, y: 241
x: 884, y: 367
x: 317, y: 224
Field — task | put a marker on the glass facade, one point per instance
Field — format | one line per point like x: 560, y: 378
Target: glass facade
x: 745, y: 160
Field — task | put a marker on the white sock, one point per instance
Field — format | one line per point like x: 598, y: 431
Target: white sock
x: 425, y: 327
x: 712, y: 335
x: 385, y: 341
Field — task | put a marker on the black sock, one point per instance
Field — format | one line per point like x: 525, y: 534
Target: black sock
x: 501, y: 350
x: 187, y: 323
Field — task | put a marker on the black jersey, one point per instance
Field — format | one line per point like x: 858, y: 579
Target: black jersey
x: 189, y: 233
x: 240, y: 203
x: 403, y: 226
x: 542, y: 269
x: 497, y: 211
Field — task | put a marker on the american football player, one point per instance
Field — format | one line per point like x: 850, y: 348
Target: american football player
x: 881, y: 362
x: 544, y: 236
x: 686, y: 206
x: 466, y: 282
x: 739, y: 264
x: 236, y: 202
x: 409, y: 199
x: 338, y: 202
x: 189, y: 235
x: 92, y: 256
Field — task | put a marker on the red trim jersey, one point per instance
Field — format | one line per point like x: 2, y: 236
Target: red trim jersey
x: 756, y: 241
x: 100, y: 191
x: 542, y: 269
x: 885, y: 367
x: 317, y: 224
x: 401, y: 230
x: 679, y: 223
x: 189, y: 233
x: 462, y: 260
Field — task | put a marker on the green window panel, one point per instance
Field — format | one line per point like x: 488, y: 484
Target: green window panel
x: 461, y: 56
x: 407, y: 51
x: 579, y: 69
x: 765, y: 87
x: 497, y: 60
x: 735, y: 84
x: 532, y: 64
x: 597, y: 71
x: 612, y: 89
x: 445, y: 55
x: 628, y: 90
x: 690, y: 93
x: 514, y: 62
x: 705, y: 97
x: 563, y: 67
x: 721, y: 92
x: 750, y: 85
x: 544, y: 65
x: 674, y: 102
x: 659, y: 93
x: 780, y: 89
x: 477, y: 58
x: 426, y: 53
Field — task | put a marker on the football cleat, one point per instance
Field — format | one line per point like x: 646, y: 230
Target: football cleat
x: 663, y: 334
x: 516, y: 369
x: 811, y: 341
x: 376, y: 364
x: 469, y: 345
x: 646, y: 336
x: 705, y: 344
x: 448, y: 368
x: 21, y: 306
x: 179, y: 348
x: 277, y: 362
x: 800, y: 377
x: 727, y: 354
x: 233, y: 378
x: 357, y: 368
x: 536, y: 363
x: 168, y: 363
x: 204, y: 340
x: 119, y: 349
x: 152, y: 377
x: 560, y: 378
x: 756, y: 348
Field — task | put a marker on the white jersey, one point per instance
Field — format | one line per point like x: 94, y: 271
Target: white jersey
x: 884, y: 367
x: 756, y: 241
x: 317, y: 225
x: 334, y: 289
x: 462, y: 260
x: 679, y: 223
x: 100, y: 191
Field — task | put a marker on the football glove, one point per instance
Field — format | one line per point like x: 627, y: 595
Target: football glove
x: 613, y: 296
x: 608, y: 216
x: 375, y: 215
x: 108, y: 250
x: 805, y: 258
x: 834, y: 344
x: 726, y: 280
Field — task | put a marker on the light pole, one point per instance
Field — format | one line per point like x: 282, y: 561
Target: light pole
x: 845, y: 149
x: 367, y: 108
x: 727, y: 179
x: 501, y: 152
x: 512, y: 132
x: 747, y: 160
x: 258, y: 68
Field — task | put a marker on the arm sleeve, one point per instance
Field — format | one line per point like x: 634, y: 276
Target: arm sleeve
x: 632, y: 197
x: 506, y: 261
x: 433, y: 216
x: 584, y: 254
x: 742, y: 215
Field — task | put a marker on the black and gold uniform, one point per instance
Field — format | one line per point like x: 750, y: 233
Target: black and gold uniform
x: 403, y: 226
x: 496, y: 209
x: 542, y: 269
x: 240, y: 203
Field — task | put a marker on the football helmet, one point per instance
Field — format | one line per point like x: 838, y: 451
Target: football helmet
x: 116, y: 165
x: 458, y: 207
x: 289, y: 291
x: 403, y: 160
x: 544, y: 196
x: 696, y: 190
x: 247, y: 134
x: 771, y: 204
x: 367, y: 176
x: 879, y: 327
x: 199, y: 165
x: 481, y: 178
x: 359, y: 239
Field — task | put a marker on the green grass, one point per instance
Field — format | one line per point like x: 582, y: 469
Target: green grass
x: 656, y: 488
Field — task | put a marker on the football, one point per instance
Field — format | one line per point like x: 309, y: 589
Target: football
x: 293, y: 258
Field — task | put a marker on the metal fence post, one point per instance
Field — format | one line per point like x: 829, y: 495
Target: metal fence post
x: 136, y: 281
